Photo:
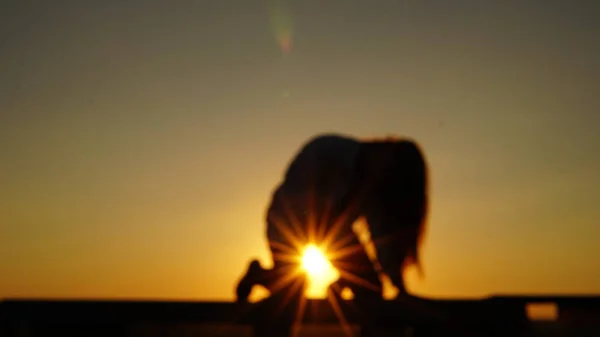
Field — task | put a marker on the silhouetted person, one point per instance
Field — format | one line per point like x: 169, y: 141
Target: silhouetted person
x: 331, y: 182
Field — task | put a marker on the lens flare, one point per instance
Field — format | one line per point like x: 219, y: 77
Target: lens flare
x: 281, y: 25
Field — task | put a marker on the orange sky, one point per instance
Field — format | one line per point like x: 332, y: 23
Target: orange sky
x: 140, y: 141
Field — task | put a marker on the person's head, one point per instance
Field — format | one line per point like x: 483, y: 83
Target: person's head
x: 394, y: 174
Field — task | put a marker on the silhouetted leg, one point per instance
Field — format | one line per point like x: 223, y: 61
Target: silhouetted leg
x: 397, y: 280
x: 278, y: 230
x: 281, y: 308
x: 279, y: 312
x: 283, y: 239
x: 257, y: 275
x: 390, y: 246
x: 357, y: 271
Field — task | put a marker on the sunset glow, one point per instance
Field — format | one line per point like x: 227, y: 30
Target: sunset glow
x: 140, y: 148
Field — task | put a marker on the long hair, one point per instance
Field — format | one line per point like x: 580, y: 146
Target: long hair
x: 393, y: 188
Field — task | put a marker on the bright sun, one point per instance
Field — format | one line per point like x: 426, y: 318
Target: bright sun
x: 314, y: 261
x: 320, y: 271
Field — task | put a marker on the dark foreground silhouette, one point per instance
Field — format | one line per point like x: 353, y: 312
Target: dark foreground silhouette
x: 578, y: 316
x: 331, y: 182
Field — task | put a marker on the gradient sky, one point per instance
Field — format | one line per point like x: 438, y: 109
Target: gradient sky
x: 140, y: 140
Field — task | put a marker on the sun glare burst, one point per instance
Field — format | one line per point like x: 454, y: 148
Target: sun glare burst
x: 314, y: 261
x: 320, y: 271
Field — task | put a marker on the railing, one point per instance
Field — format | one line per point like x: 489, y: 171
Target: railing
x: 498, y: 315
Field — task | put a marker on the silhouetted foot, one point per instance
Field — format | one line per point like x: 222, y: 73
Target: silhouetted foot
x: 244, y: 287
